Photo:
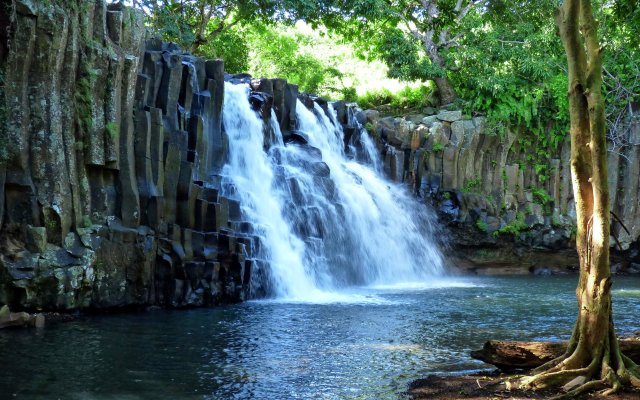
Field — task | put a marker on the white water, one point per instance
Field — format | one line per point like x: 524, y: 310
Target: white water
x: 326, y: 223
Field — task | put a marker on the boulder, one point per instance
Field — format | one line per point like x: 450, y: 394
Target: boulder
x: 449, y: 116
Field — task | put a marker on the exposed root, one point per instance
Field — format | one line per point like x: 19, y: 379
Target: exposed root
x: 584, y: 388
x: 557, y: 376
x: 578, y: 381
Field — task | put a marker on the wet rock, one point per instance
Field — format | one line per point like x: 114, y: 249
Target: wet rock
x: 320, y: 169
x: 261, y: 102
x: 297, y: 137
x: 306, y: 100
x: 542, y: 271
x: 238, y: 79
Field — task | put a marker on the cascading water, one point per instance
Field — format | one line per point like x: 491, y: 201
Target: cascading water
x: 325, y: 222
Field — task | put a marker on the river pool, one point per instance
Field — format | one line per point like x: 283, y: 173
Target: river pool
x: 363, y: 344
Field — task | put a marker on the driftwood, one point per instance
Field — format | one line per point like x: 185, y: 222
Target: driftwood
x: 19, y: 319
x: 509, y: 356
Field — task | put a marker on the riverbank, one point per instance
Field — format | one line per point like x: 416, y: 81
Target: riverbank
x: 489, y: 386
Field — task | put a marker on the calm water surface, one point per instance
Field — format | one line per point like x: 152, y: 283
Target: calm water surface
x: 367, y: 346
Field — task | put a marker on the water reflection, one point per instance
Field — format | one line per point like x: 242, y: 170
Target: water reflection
x: 271, y: 350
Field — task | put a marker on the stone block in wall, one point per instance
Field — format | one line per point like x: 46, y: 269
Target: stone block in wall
x: 172, y: 163
x: 189, y: 88
x: 262, y: 85
x: 222, y: 213
x: 628, y: 208
x: 3, y: 176
x: 18, y: 67
x: 187, y: 243
x: 511, y: 173
x: 457, y: 137
x: 198, y: 244
x: 142, y: 150
x: 114, y: 26
x: 210, y: 246
x: 449, y: 116
x: 235, y: 212
x: 438, y: 133
x: 290, y: 104
x: 133, y: 29
x: 36, y: 239
x: 113, y: 112
x: 217, y: 143
x: 429, y: 120
x: 169, y: 90
x: 156, y: 148
x: 130, y: 202
x: 152, y: 70
x: 226, y: 243
x: 285, y: 98
x: 449, y: 160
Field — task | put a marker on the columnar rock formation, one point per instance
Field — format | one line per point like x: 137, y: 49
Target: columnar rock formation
x: 111, y: 148
x: 112, y: 145
x: 487, y: 182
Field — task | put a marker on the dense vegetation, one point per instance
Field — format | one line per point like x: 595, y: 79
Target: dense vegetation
x: 497, y: 58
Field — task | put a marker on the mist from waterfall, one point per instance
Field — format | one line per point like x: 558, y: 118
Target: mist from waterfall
x: 326, y: 223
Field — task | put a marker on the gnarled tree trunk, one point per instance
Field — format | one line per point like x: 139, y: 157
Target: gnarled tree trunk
x: 593, y: 359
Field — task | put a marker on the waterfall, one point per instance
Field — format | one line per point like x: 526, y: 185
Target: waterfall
x: 325, y: 222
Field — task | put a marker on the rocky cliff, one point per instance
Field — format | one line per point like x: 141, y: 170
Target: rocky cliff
x: 111, y: 148
x: 490, y: 193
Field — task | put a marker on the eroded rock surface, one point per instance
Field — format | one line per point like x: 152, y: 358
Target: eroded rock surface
x: 111, y: 149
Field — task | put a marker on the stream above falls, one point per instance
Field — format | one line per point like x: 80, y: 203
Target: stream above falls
x: 366, y: 343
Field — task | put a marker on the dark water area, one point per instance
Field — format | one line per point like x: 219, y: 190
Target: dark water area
x: 367, y: 344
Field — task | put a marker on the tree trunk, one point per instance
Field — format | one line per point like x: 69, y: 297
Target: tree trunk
x: 593, y: 359
x: 445, y: 89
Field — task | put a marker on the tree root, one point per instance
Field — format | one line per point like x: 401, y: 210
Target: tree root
x: 557, y: 376
x: 611, y: 381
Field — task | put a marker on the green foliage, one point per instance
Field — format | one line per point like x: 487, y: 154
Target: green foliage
x: 113, y: 130
x: 375, y: 98
x: 541, y: 196
x: 438, y: 147
x: 504, y: 58
x: 287, y: 54
x: 195, y: 23
x: 232, y: 47
x: 349, y: 94
x: 471, y: 185
x: 481, y: 225
x: 406, y: 98
x: 86, y: 221
x: 412, y: 97
x: 515, y: 227
x: 403, y: 55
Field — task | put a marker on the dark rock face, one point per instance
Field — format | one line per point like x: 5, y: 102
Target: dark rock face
x: 109, y: 193
x: 487, y: 193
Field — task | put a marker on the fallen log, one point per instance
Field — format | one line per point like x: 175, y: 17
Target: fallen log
x: 19, y: 319
x: 509, y: 356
